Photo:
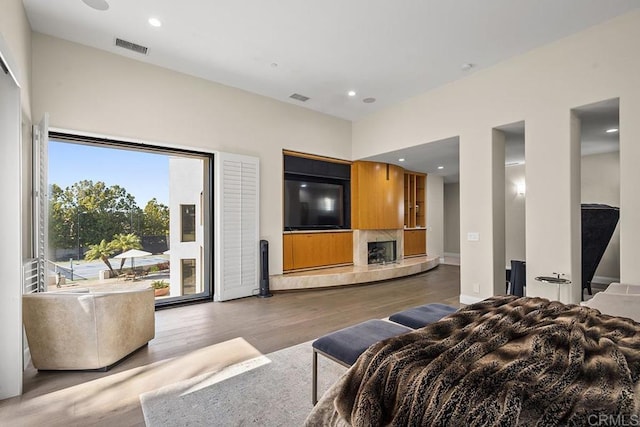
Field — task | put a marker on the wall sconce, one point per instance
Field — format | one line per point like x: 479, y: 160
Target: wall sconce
x: 521, y: 188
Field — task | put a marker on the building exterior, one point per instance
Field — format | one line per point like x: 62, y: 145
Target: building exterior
x: 186, y: 230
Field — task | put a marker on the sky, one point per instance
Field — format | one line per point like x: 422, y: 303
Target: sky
x: 144, y: 175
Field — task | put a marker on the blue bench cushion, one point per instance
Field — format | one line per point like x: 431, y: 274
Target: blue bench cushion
x: 421, y: 316
x: 349, y: 343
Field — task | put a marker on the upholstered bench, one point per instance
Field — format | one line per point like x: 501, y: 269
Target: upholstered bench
x: 423, y: 315
x: 346, y: 345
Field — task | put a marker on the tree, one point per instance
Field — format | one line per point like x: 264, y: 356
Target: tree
x: 102, y: 251
x: 87, y: 212
x: 156, y: 219
x: 124, y: 242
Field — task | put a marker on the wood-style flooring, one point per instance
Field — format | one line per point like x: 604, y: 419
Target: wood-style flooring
x: 269, y: 324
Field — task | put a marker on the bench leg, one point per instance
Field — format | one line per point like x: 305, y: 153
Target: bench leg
x: 314, y: 379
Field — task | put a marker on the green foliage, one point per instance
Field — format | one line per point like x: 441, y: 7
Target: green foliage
x: 90, y: 211
x: 155, y: 221
x: 102, y: 251
x: 159, y: 284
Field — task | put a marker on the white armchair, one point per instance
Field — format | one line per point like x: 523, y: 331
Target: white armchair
x: 81, y: 330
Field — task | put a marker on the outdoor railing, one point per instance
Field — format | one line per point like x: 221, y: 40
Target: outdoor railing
x: 30, y: 281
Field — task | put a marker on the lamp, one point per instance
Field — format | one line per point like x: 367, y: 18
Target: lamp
x: 521, y: 188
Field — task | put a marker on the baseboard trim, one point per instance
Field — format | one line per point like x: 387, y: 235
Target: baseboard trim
x: 468, y: 299
x: 605, y: 280
x: 450, y: 258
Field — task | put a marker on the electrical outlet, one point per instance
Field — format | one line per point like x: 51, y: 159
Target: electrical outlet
x: 476, y: 287
x: 473, y: 236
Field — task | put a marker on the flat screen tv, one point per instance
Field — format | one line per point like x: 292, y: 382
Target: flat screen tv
x: 313, y: 204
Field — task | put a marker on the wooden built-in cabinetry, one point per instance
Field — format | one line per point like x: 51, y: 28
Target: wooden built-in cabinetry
x: 415, y: 214
x: 317, y: 249
x: 414, y: 200
x: 376, y: 196
x: 415, y: 242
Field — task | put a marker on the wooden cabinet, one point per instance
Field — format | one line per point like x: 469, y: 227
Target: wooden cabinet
x: 287, y: 252
x: 320, y: 249
x: 376, y: 196
x: 415, y: 207
x: 415, y: 242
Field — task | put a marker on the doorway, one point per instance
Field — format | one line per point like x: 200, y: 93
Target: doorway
x: 600, y: 185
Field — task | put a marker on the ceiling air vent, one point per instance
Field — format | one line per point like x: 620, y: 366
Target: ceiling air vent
x: 299, y: 97
x: 131, y: 46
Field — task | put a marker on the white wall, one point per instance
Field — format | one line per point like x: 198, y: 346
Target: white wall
x: 15, y: 115
x: 435, y: 216
x: 16, y: 31
x: 10, y: 231
x: 452, y: 218
x: 89, y: 90
x: 540, y: 87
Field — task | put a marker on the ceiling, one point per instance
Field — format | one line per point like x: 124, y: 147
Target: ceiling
x: 382, y: 49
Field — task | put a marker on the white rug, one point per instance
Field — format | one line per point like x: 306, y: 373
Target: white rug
x: 249, y: 393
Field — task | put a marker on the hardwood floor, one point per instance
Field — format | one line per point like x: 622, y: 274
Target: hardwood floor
x: 268, y: 324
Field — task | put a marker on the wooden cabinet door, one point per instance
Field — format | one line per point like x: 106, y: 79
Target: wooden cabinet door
x: 310, y: 250
x: 415, y: 242
x: 287, y: 252
x: 341, y: 248
x: 377, y: 196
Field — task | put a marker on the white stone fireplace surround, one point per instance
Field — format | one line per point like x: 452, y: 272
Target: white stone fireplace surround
x: 361, y: 238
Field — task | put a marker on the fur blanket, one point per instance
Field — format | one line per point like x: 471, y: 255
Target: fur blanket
x: 503, y: 361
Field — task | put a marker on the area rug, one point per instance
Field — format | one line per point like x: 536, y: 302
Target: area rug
x: 274, y: 394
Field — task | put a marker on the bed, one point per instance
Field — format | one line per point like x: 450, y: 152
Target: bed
x: 503, y: 361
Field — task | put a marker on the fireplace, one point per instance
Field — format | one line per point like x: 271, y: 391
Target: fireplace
x: 381, y: 252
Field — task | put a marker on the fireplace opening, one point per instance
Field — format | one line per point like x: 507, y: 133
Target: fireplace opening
x: 381, y: 252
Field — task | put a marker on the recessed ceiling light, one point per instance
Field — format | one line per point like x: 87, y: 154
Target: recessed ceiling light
x: 97, y: 4
x: 155, y: 22
x: 369, y: 100
x: 612, y: 130
x: 401, y: 160
x: 274, y: 65
x: 466, y: 67
x: 440, y: 167
x: 351, y: 93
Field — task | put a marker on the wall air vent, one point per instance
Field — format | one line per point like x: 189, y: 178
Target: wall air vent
x: 131, y: 46
x: 299, y: 97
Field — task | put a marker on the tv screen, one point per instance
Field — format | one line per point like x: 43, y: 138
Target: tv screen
x: 310, y: 205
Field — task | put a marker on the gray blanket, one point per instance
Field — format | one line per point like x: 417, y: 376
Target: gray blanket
x: 503, y: 361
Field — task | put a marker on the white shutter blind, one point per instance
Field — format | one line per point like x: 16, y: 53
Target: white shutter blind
x: 40, y: 199
x: 237, y: 213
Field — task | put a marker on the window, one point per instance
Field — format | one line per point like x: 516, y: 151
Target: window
x: 108, y: 198
x: 188, y: 276
x: 188, y: 223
